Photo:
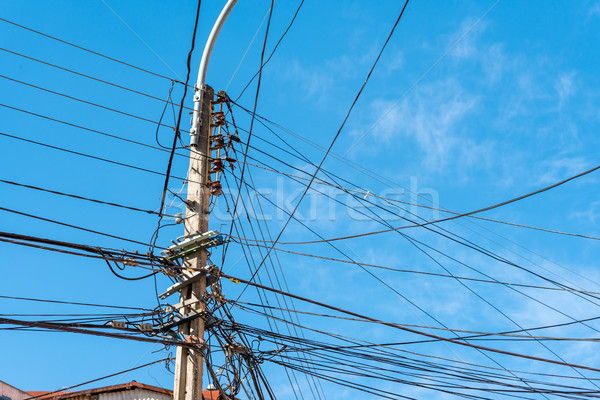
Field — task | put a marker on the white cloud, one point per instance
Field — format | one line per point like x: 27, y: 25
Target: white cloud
x: 557, y: 169
x: 594, y: 10
x: 431, y: 116
x: 468, y: 35
x: 394, y: 61
x: 590, y: 215
x: 314, y: 83
x: 565, y: 88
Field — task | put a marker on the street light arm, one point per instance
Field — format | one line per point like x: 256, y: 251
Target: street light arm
x: 200, y: 83
x: 212, y: 38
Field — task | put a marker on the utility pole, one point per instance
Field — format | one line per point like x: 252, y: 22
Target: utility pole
x: 189, y: 364
x: 190, y: 361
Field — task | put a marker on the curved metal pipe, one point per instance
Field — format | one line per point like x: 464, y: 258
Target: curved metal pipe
x: 212, y: 38
x: 200, y: 86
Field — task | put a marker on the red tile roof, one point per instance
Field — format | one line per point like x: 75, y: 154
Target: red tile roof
x: 44, y: 394
x: 208, y: 394
x: 124, y: 386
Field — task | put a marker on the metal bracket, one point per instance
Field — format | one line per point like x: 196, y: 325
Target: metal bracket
x: 180, y: 285
x: 181, y: 320
x: 193, y: 244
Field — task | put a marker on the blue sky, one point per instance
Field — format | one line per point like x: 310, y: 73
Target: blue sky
x: 471, y: 104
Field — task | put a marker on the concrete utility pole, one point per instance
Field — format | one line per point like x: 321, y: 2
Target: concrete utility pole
x: 189, y: 364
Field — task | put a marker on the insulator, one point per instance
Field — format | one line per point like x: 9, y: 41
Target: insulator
x: 218, y: 118
x: 217, y: 165
x: 234, y: 138
x: 230, y: 159
x: 222, y: 96
x: 217, y: 142
x: 216, y: 188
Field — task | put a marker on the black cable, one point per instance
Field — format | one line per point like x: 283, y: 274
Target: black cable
x: 403, y: 297
x: 278, y: 249
x: 72, y: 303
x: 91, y: 156
x: 79, y: 197
x: 66, y: 328
x: 176, y: 136
x: 460, y: 240
x: 138, y: 278
x: 250, y: 261
x: 122, y: 256
x: 84, y: 154
x: 71, y: 226
x: 167, y: 175
x: 272, y: 52
x: 161, y: 117
x: 86, y: 76
x: 271, y: 280
x: 403, y: 328
x: 391, y: 352
x: 85, y: 101
x: 262, y: 54
x: 87, y: 129
x: 283, y: 278
x: 84, y: 49
x: 337, y: 134
x: 381, y: 179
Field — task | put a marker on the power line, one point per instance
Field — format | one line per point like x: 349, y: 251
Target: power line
x: 85, y: 101
x: 99, y: 379
x: 88, y: 50
x: 71, y: 226
x: 86, y: 128
x: 176, y: 135
x: 265, y: 167
x: 406, y: 329
x: 71, y: 329
x: 337, y: 134
x: 373, y: 175
x: 73, y: 303
x: 358, y: 264
x: 84, y: 75
x: 563, y: 289
x: 377, y: 177
x: 74, y: 196
x: 470, y: 213
x: 121, y: 256
x: 87, y: 155
x: 272, y: 52
x: 487, y: 253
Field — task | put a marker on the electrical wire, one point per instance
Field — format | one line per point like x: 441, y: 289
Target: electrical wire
x: 74, y: 196
x: 272, y: 51
x: 410, y: 330
x: 373, y: 175
x: 85, y: 75
x: 71, y: 226
x: 85, y: 102
x: 177, y: 125
x: 87, y: 50
x: 336, y: 135
x: 72, y: 303
x: 87, y: 129
x: 47, y: 394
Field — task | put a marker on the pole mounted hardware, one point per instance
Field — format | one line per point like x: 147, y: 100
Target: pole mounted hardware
x: 192, y: 250
x: 187, y: 279
x: 192, y: 244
